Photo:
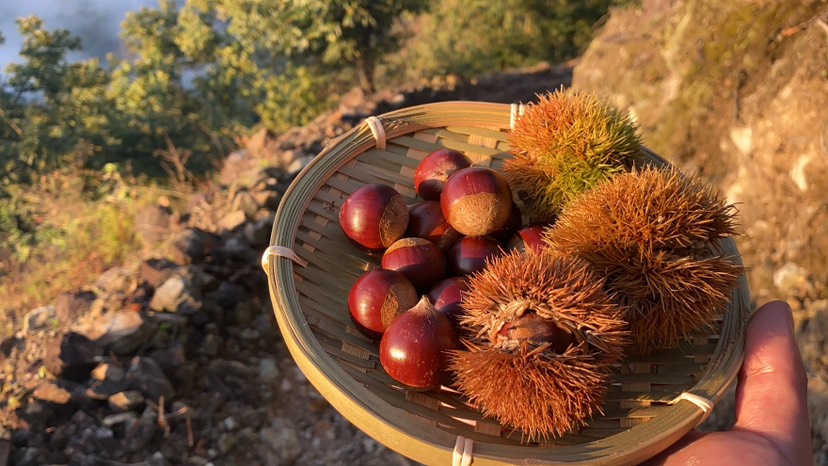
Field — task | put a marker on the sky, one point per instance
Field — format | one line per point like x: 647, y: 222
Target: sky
x: 96, y: 22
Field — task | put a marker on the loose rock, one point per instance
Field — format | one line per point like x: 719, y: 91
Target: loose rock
x: 145, y: 375
x: 232, y: 220
x: 39, y: 319
x: 71, y: 356
x: 70, y: 306
x: 51, y: 393
x: 125, y: 401
x: 171, y: 295
x: 108, y: 371
x: 155, y: 272
x: 281, y: 442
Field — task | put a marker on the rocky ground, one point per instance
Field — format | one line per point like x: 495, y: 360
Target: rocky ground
x: 179, y: 360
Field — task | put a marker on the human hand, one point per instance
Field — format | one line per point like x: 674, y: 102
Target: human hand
x: 772, y: 426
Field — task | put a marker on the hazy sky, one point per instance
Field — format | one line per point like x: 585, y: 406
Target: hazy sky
x: 96, y: 22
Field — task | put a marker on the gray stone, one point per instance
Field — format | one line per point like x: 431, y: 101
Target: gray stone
x: 121, y: 332
x: 40, y: 319
x: 70, y: 306
x: 155, y: 272
x: 117, y: 418
x: 211, y: 345
x: 145, y: 374
x: 268, y: 370
x: 238, y: 249
x: 71, y: 356
x: 193, y: 244
x: 102, y: 390
x: 124, y: 332
x: 108, y: 371
x: 258, y: 233
x: 140, y: 433
x: 51, y: 393
x: 267, y: 199
x: 171, y: 294
x: 244, y: 201
x: 232, y: 220
x: 230, y: 424
x: 113, y: 280
x: 28, y: 456
x: 281, y: 440
x: 126, y: 400
x: 157, y: 459
x: 223, y: 366
x: 226, y: 442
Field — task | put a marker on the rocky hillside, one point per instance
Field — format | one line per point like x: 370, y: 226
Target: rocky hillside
x: 736, y: 91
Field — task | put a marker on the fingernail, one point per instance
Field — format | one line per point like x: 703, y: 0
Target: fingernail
x: 788, y: 312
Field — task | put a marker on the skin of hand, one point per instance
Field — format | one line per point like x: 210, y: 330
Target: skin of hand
x: 772, y: 426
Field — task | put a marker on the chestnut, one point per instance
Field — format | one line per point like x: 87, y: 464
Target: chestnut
x: 435, y: 169
x: 528, y: 238
x: 414, y: 348
x: 469, y: 255
x: 374, y: 216
x: 535, y: 329
x: 448, y: 239
x: 476, y: 201
x: 447, y: 295
x: 513, y: 224
x: 425, y: 220
x: 418, y: 259
x: 377, y: 298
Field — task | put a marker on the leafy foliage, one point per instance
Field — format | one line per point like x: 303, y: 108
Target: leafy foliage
x: 468, y: 38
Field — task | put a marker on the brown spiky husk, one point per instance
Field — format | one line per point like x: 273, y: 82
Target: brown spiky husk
x: 530, y: 387
x: 651, y: 232
x: 563, y: 145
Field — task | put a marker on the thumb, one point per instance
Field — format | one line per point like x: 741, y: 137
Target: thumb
x: 771, y: 399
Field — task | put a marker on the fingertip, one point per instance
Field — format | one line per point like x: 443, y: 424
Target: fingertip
x: 772, y: 394
x: 771, y: 314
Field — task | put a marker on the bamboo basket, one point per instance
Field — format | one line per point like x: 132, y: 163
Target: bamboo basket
x: 311, y: 266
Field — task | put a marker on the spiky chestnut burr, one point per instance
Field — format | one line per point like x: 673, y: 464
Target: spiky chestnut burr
x: 545, y: 335
x: 650, y: 231
x: 565, y: 144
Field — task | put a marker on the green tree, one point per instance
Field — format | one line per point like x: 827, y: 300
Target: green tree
x: 472, y: 37
x: 54, y: 112
x: 338, y: 33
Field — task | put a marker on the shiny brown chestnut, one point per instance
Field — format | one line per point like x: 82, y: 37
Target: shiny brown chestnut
x: 469, y: 255
x: 414, y: 348
x: 435, y: 169
x: 374, y: 216
x: 418, y: 259
x: 528, y: 238
x: 425, y: 220
x: 447, y: 295
x: 476, y: 201
x: 377, y: 298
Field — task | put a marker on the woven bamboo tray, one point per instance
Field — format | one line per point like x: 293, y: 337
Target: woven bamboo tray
x: 311, y: 266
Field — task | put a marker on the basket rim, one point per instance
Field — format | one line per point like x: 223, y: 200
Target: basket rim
x: 372, y: 414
